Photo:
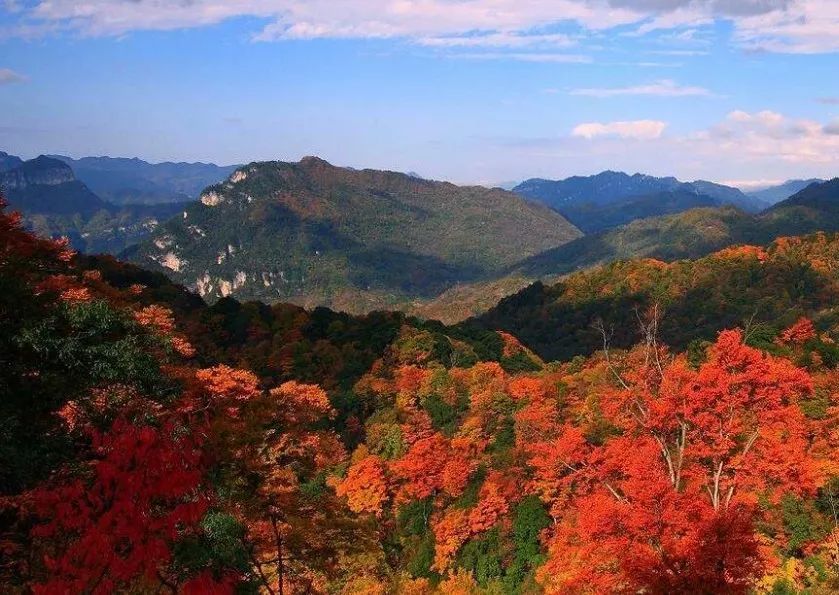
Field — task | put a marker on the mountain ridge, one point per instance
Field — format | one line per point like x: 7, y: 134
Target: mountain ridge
x: 598, y: 202
x: 310, y: 231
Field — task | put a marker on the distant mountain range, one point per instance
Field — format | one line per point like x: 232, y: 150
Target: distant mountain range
x: 694, y: 233
x: 133, y: 181
x: 48, y: 186
x: 609, y: 199
x: 315, y: 234
x: 775, y: 194
x: 8, y: 162
x: 55, y: 203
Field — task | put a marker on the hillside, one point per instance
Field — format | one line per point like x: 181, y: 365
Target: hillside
x: 816, y: 204
x: 609, y: 199
x: 593, y: 218
x: 134, y: 181
x: 284, y: 449
x: 315, y: 234
x: 689, y: 234
x: 790, y: 278
x: 55, y: 203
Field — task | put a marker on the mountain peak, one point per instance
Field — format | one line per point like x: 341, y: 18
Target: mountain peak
x: 314, y: 161
x: 8, y: 162
x: 41, y: 171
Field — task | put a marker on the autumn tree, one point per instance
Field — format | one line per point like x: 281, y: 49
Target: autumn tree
x: 366, y: 485
x: 118, y: 527
x: 668, y: 505
x: 272, y: 452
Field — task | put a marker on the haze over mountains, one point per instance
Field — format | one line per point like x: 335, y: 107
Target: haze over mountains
x: 134, y: 181
x: 774, y: 194
x: 54, y: 202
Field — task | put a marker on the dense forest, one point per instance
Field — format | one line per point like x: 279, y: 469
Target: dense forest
x: 653, y: 441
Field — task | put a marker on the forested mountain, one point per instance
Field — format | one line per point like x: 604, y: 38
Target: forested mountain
x: 154, y: 443
x: 593, y: 218
x: 791, y: 277
x: 603, y: 188
x: 609, y: 199
x: 55, y: 203
x: 775, y: 194
x: 315, y: 234
x: 818, y: 201
x: 134, y: 181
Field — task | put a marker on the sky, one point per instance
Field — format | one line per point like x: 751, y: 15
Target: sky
x: 473, y: 91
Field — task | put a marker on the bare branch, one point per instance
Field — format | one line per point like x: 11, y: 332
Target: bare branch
x: 599, y: 326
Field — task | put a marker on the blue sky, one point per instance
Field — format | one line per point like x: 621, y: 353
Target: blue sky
x: 482, y: 91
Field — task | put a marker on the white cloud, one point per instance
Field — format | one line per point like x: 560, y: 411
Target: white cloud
x: 505, y: 39
x: 753, y: 148
x: 750, y: 185
x: 802, y: 26
x: 8, y: 77
x: 743, y: 145
x: 554, y: 58
x: 770, y: 137
x: 663, y: 88
x: 636, y: 129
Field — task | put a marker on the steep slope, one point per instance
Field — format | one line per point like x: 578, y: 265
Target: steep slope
x: 609, y: 199
x: 689, y: 234
x: 54, y: 203
x: 816, y: 201
x: 775, y: 194
x: 134, y: 181
x: 727, y: 195
x: 317, y: 234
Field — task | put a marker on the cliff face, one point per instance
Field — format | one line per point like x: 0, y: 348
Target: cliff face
x: 46, y: 186
x: 41, y: 171
x: 8, y: 162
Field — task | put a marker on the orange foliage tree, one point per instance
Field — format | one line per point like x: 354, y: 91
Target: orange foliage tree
x: 668, y: 503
